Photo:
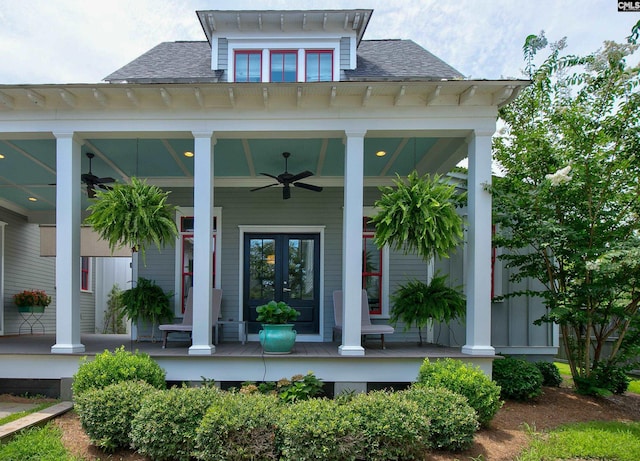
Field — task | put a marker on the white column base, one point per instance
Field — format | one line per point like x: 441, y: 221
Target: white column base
x: 351, y: 350
x: 478, y: 350
x: 67, y: 348
x: 202, y: 350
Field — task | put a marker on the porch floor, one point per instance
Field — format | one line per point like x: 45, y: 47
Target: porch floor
x: 97, y: 343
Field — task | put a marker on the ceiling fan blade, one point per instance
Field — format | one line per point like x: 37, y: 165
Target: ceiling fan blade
x: 271, y: 176
x: 264, y: 187
x: 308, y: 186
x: 299, y: 176
x: 104, y: 186
x: 286, y: 192
x: 105, y: 180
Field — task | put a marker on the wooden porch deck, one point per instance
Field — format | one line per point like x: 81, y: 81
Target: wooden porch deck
x: 25, y: 358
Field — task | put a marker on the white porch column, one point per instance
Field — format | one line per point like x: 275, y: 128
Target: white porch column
x: 352, y: 245
x: 478, y: 276
x: 68, y: 156
x: 203, y: 243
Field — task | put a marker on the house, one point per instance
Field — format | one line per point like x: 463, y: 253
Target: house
x: 210, y: 121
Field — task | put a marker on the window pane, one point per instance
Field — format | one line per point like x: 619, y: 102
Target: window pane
x: 262, y: 269
x: 312, y: 67
x: 254, y: 67
x: 276, y: 67
x: 326, y: 67
x: 242, y: 65
x: 290, y: 68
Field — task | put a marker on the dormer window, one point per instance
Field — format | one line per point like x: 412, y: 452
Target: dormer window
x: 248, y: 65
x: 319, y: 65
x: 284, y: 66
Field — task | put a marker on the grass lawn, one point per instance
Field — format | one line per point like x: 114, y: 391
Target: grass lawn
x: 595, y: 440
x: 36, y: 444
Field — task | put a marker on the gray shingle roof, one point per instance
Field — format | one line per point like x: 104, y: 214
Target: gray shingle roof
x: 190, y: 62
x: 169, y: 62
x: 398, y: 60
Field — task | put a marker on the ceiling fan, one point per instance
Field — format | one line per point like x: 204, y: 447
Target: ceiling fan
x: 287, y: 179
x: 92, y: 181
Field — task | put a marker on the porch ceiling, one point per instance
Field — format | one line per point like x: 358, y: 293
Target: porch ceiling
x: 28, y: 147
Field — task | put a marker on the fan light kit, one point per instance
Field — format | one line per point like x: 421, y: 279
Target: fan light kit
x: 287, y: 180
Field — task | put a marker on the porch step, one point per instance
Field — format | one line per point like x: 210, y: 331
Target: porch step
x: 40, y: 417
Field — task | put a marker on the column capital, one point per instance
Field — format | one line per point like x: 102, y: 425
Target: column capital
x: 208, y: 134
x: 67, y: 135
x: 355, y: 133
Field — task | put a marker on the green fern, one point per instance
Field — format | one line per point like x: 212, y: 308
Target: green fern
x: 133, y: 215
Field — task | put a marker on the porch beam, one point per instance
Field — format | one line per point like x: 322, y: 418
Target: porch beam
x: 203, y: 244
x: 68, y: 155
x: 352, y: 244
x: 478, y: 276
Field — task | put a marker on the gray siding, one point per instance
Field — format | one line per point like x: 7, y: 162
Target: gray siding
x: 345, y: 53
x: 223, y: 58
x: 512, y: 325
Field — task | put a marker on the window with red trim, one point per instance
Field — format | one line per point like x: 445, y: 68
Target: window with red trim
x: 319, y: 66
x: 371, y: 267
x: 248, y: 66
x: 284, y: 66
x: 186, y: 235
x: 85, y: 273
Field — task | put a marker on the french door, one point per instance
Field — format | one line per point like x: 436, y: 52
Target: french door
x: 283, y: 267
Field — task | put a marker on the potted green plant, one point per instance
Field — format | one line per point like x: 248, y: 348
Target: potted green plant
x: 147, y: 301
x: 32, y: 301
x: 418, y: 303
x: 277, y: 335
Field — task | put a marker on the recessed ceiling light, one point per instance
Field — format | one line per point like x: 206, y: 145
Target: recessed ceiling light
x: 188, y: 154
x: 33, y: 199
x: 381, y: 153
x: 1, y: 156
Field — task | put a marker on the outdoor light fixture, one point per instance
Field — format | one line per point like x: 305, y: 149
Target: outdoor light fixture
x: 381, y: 153
x: 32, y: 199
x: 188, y: 154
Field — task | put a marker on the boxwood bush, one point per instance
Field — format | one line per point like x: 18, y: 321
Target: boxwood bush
x: 165, y: 427
x: 482, y: 394
x: 121, y: 365
x: 392, y: 426
x: 453, y: 421
x: 239, y: 427
x: 517, y: 378
x: 550, y: 373
x: 106, y: 414
x: 318, y: 429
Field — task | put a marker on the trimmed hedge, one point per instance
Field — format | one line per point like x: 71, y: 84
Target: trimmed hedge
x: 550, y: 374
x: 106, y: 414
x: 393, y: 427
x: 482, y: 394
x: 453, y: 421
x: 318, y: 429
x: 165, y: 427
x: 517, y: 378
x: 121, y: 365
x: 239, y: 427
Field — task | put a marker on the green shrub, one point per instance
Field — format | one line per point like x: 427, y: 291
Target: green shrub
x: 121, y: 365
x: 517, y: 378
x: 299, y: 387
x: 550, y: 373
x: 482, y: 394
x: 453, y: 421
x: 392, y: 426
x: 239, y: 427
x: 165, y: 427
x: 604, y: 380
x: 318, y: 429
x: 106, y: 414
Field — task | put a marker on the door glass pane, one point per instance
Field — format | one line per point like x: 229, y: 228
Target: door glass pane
x: 262, y: 259
x: 301, y: 274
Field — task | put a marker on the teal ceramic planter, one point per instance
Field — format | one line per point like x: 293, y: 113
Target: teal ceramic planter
x: 277, y: 338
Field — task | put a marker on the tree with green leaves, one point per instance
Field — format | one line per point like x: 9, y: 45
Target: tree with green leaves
x: 568, y: 205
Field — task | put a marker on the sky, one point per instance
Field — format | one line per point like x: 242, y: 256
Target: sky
x: 83, y: 41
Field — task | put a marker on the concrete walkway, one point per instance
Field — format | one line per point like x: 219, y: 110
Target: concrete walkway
x: 32, y: 419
